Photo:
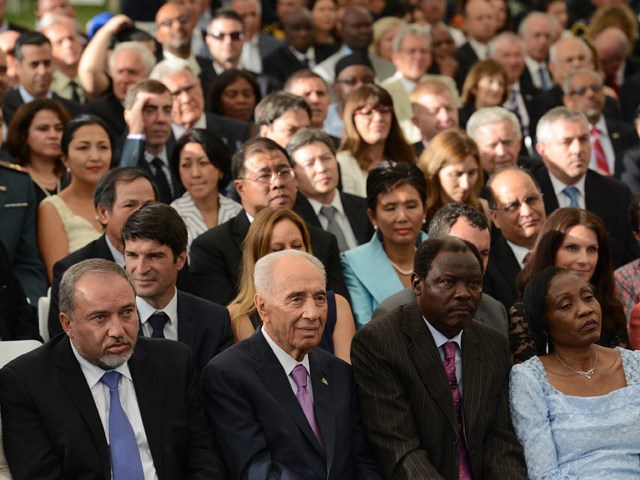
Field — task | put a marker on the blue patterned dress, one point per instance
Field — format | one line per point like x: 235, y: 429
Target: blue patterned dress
x: 566, y: 437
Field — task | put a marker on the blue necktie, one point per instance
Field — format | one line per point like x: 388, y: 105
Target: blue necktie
x: 572, y: 193
x: 125, y: 456
x: 543, y: 79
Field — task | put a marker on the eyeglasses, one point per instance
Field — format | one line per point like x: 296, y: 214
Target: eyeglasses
x: 188, y: 89
x: 413, y: 51
x: 352, y: 82
x: 595, y: 88
x: 285, y: 175
x: 368, y: 111
x: 234, y: 36
x: 182, y: 20
x: 532, y: 201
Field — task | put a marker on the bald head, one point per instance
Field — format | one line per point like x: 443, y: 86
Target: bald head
x: 612, y: 46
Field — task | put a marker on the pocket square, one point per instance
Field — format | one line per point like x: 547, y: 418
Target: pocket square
x: 16, y: 205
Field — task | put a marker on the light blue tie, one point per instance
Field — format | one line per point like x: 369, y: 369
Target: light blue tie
x: 125, y: 456
x: 572, y: 193
x: 543, y: 79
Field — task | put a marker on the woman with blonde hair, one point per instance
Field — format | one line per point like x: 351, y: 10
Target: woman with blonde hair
x: 275, y: 229
x: 372, y: 134
x: 451, y: 165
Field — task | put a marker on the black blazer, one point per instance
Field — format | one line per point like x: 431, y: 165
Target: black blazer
x: 623, y: 137
x: 355, y: 208
x: 216, y: 260
x: 262, y: 429
x: 281, y: 63
x: 608, y: 198
x: 13, y: 100
x: 109, y: 109
x: 499, y: 280
x: 406, y: 403
x: 52, y: 428
x: 204, y: 326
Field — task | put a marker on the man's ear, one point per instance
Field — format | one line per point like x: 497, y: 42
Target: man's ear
x: 65, y: 321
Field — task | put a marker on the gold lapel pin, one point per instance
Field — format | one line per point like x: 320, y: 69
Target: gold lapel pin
x: 615, y: 135
x: 324, y: 380
x: 3, y: 188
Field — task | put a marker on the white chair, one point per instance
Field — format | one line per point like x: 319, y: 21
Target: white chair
x: 8, y: 351
x: 43, y: 315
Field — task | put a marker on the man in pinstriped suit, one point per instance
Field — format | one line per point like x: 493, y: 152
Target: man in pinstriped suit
x: 407, y: 392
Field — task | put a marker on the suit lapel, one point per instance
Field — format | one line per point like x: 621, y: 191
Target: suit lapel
x: 323, y: 406
x: 186, y: 332
x: 73, y: 381
x: 270, y: 371
x: 473, y: 373
x: 145, y: 382
x: 357, y: 219
x: 426, y: 359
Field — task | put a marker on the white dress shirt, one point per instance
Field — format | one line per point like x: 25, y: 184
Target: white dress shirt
x: 340, y: 218
x: 440, y: 340
x: 519, y: 252
x: 534, y: 67
x: 250, y: 56
x: 129, y: 402
x: 607, y: 146
x: 117, y: 255
x: 563, y: 200
x: 171, y: 309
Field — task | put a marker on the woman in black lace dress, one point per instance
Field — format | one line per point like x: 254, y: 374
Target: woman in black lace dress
x: 575, y: 239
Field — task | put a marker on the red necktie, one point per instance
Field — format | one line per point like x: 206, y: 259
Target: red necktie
x: 601, y: 158
x: 450, y: 368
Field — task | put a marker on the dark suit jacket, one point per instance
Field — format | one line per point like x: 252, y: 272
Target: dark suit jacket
x: 109, y: 109
x: 466, y: 56
x: 355, y: 208
x: 490, y: 311
x: 407, y: 407
x: 623, y: 137
x: 608, y: 198
x: 216, y: 260
x: 630, y: 171
x: 204, y: 326
x: 281, y: 63
x: 18, y: 320
x: 52, y: 428
x: 503, y: 268
x: 13, y: 100
x: 262, y: 429
x: 18, y: 208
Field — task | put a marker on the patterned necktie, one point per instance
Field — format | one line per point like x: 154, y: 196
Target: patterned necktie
x: 125, y: 456
x: 329, y: 212
x: 544, y: 85
x: 450, y: 369
x: 572, y: 193
x: 161, y: 181
x: 601, y: 159
x: 299, y: 375
x: 157, y: 322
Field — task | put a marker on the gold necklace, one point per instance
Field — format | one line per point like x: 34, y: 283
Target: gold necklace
x: 585, y: 374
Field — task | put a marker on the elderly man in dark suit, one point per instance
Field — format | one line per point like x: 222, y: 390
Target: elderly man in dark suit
x: 282, y: 408
x: 155, y: 251
x: 99, y: 402
x: 467, y: 223
x: 567, y: 181
x: 429, y: 420
x: 118, y: 194
x: 264, y: 177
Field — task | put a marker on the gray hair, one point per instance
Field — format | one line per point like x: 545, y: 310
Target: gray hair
x: 228, y: 5
x: 146, y: 57
x: 263, y: 274
x: 489, y: 115
x: 307, y: 136
x: 423, y: 31
x: 544, y: 130
x: 53, y: 18
x: 169, y: 67
x: 508, y: 38
x: 567, y: 81
x: 524, y: 25
x: 75, y: 273
x: 553, y: 51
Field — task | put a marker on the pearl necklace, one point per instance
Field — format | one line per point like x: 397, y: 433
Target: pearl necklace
x: 588, y: 374
x: 401, y: 271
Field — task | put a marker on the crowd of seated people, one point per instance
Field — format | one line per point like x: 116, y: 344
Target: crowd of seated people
x: 321, y: 239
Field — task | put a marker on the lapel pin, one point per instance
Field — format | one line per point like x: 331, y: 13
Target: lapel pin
x: 615, y: 135
x: 324, y: 380
x: 3, y: 188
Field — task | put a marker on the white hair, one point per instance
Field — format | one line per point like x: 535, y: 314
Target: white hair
x: 544, y: 130
x: 490, y: 115
x: 146, y: 57
x: 263, y: 273
x: 169, y: 67
x: 423, y: 31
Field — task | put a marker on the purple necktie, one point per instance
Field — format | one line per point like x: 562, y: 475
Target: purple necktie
x: 450, y: 368
x: 299, y: 375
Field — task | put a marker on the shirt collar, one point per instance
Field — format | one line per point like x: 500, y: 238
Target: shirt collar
x: 178, y: 130
x: 287, y: 361
x: 519, y: 251
x: 145, y: 310
x: 27, y: 97
x: 440, y: 339
x: 118, y: 257
x: 337, y: 203
x: 92, y: 373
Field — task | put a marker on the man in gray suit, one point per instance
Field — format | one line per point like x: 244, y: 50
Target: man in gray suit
x: 467, y: 223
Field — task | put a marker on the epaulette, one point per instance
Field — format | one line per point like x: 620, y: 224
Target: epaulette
x: 13, y: 166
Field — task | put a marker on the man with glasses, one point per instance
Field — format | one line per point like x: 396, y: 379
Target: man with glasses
x: 264, y: 177
x: 567, y: 181
x: 224, y: 40
x: 351, y: 72
x: 517, y: 209
x: 610, y: 138
x: 174, y: 29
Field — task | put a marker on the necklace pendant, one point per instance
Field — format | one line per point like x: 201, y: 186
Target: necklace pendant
x: 588, y: 374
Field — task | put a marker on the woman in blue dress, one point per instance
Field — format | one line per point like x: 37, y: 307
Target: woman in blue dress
x: 575, y: 409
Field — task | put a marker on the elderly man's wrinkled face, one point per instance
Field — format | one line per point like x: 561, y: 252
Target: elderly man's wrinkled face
x: 104, y: 324
x: 294, y: 312
x: 499, y: 146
